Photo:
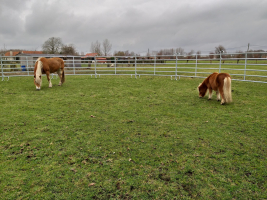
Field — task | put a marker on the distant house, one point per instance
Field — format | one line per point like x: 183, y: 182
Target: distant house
x: 11, y: 55
x: 92, y: 56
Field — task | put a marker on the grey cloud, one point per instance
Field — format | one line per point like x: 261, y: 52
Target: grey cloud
x: 135, y: 25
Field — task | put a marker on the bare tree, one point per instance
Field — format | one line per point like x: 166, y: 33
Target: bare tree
x: 180, y: 51
x: 107, y: 46
x: 124, y: 53
x: 119, y: 53
x: 198, y: 54
x: 52, y: 45
x: 189, y: 55
x: 257, y: 54
x: 211, y: 56
x: 127, y: 53
x: 68, y: 49
x: 96, y: 48
x: 132, y: 53
x: 219, y: 49
x: 240, y: 54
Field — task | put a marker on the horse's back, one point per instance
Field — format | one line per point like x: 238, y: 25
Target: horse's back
x: 216, y: 80
x: 221, y: 76
x: 55, y: 64
x: 211, y: 80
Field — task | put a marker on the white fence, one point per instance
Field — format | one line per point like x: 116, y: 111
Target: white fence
x: 242, y: 67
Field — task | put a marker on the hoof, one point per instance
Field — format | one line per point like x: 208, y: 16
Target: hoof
x: 209, y: 99
x: 218, y: 99
x: 222, y: 103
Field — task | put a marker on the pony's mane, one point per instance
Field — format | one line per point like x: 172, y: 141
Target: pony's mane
x: 198, y: 86
x: 39, y: 67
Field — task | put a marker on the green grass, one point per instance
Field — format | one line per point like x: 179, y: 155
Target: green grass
x: 126, y: 138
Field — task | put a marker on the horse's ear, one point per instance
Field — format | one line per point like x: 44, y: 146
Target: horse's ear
x: 34, y: 76
x: 199, y: 85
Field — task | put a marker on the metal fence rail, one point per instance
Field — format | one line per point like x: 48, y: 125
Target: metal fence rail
x: 242, y: 67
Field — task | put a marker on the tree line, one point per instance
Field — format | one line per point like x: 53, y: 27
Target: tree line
x: 54, y: 45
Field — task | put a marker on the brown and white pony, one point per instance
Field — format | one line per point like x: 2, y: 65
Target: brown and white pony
x: 47, y: 66
x: 219, y: 82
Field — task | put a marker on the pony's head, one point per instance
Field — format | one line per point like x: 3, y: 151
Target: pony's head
x: 202, y: 89
x: 38, y: 74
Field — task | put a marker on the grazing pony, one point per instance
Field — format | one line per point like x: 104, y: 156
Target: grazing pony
x: 219, y: 82
x: 47, y: 66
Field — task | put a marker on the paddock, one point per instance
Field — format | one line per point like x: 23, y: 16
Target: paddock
x: 119, y: 137
x: 250, y: 67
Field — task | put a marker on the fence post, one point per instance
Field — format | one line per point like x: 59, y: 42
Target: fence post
x: 220, y: 62
x: 245, y: 66
x: 115, y: 58
x: 73, y: 64
x: 95, y: 66
x: 176, y: 61
x: 27, y: 66
x: 135, y: 66
x: 196, y: 67
x: 2, y: 69
x: 154, y: 65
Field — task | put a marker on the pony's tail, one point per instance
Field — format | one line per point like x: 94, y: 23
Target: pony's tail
x: 63, y: 76
x: 227, y: 90
x: 63, y: 72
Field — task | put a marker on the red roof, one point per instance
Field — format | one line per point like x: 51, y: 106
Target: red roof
x: 90, y: 55
x: 14, y: 53
x: 32, y: 52
x: 99, y: 60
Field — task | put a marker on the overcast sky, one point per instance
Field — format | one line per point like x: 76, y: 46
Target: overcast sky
x: 135, y: 25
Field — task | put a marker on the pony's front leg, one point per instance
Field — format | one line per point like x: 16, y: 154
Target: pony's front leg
x: 210, y: 94
x: 218, y: 95
x: 49, y: 79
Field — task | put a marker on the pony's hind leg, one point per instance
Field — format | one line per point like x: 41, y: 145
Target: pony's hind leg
x: 59, y: 72
x: 49, y: 79
x: 222, y: 95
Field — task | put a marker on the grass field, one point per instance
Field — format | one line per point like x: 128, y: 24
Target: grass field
x: 117, y: 137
